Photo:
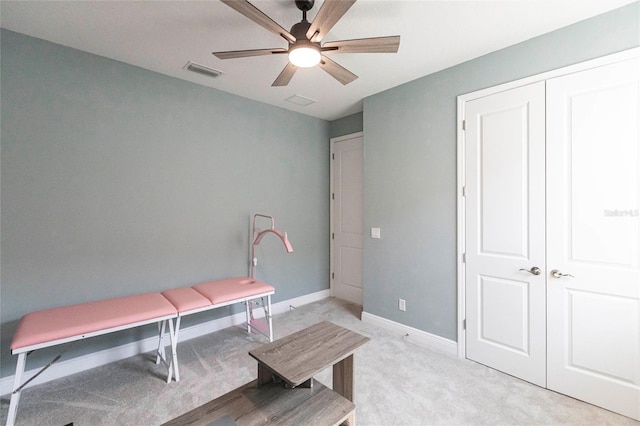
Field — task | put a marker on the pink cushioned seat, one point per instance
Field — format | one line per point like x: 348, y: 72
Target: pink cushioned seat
x: 186, y: 299
x: 221, y: 291
x: 59, y: 323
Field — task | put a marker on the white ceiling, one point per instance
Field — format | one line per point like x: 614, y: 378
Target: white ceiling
x: 163, y: 36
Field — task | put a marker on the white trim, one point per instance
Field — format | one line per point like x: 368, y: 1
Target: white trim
x: 419, y: 337
x: 150, y: 344
x: 347, y: 137
x: 460, y: 206
x: 282, y: 307
x: 461, y: 100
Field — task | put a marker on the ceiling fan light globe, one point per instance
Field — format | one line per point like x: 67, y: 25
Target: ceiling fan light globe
x: 304, y: 56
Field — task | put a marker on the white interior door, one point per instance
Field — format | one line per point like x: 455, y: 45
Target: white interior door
x: 593, y: 190
x: 505, y: 234
x: 347, y: 220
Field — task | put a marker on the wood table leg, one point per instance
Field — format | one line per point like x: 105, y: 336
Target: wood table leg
x: 343, y: 377
x: 264, y: 374
x: 351, y: 420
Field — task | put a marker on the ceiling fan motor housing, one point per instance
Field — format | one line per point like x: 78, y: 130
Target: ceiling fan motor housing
x: 299, y: 31
x: 304, y: 5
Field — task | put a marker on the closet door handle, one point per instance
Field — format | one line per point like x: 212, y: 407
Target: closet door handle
x: 557, y: 274
x: 535, y: 270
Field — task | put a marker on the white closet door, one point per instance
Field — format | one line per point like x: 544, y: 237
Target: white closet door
x: 593, y: 234
x: 505, y: 234
x: 348, y: 199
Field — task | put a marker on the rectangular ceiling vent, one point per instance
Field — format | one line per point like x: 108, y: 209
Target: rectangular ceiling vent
x: 201, y: 69
x: 300, y: 100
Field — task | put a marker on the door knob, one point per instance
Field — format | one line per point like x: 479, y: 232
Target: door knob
x: 535, y: 270
x: 557, y: 274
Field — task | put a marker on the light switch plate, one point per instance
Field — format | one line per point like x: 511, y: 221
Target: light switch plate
x: 402, y: 304
x: 375, y: 232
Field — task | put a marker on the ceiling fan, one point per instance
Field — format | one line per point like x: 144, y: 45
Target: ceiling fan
x: 305, y: 48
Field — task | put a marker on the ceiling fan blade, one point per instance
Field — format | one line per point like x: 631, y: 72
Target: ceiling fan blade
x: 246, y: 53
x: 330, y: 12
x: 285, y: 76
x: 363, y: 45
x: 257, y: 16
x: 337, y: 71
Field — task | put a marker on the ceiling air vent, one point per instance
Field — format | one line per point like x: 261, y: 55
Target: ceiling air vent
x: 300, y: 100
x: 201, y: 69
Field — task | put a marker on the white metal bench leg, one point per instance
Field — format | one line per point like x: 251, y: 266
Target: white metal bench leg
x: 248, y: 314
x: 174, y: 372
x: 15, y: 396
x: 160, y: 354
x: 267, y: 317
x: 167, y: 362
x: 267, y: 313
x: 173, y: 334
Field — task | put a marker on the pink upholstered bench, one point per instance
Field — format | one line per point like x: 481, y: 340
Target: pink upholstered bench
x: 233, y: 289
x: 187, y: 300
x: 216, y: 294
x: 241, y: 289
x: 68, y: 323
x: 56, y: 326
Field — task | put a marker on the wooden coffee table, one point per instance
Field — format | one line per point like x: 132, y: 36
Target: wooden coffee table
x: 300, y: 356
x: 285, y: 392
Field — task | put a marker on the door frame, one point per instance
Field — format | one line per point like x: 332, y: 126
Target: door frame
x: 461, y: 179
x: 332, y: 143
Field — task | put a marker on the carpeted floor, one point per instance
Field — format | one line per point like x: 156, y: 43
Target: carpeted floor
x: 397, y: 383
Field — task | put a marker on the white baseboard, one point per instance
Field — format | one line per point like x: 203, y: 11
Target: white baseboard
x: 281, y: 307
x: 414, y: 335
x: 97, y: 359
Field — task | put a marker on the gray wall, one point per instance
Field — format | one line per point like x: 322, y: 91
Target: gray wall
x: 117, y: 181
x: 346, y: 125
x: 410, y: 167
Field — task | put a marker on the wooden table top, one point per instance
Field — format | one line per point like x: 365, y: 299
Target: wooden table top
x: 270, y: 404
x: 299, y: 356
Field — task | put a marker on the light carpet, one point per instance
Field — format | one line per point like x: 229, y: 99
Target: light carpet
x: 396, y: 383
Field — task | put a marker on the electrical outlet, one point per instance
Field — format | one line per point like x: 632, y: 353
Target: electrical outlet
x: 402, y: 304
